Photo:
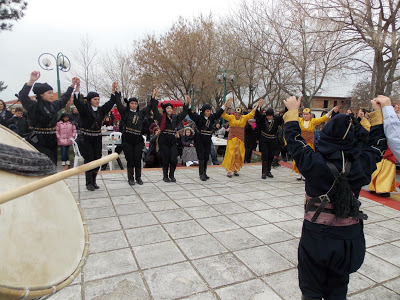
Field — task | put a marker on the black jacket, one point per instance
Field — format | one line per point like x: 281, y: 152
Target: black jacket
x: 204, y: 127
x: 43, y: 114
x: 21, y: 123
x: 168, y: 137
x: 133, y: 121
x: 270, y: 128
x: 312, y: 165
x: 90, y: 120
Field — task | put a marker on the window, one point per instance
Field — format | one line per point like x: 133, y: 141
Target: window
x: 326, y: 103
x: 334, y: 103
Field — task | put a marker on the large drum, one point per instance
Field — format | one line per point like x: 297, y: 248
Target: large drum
x: 43, y: 235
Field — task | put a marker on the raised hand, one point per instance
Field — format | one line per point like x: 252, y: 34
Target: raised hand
x: 156, y: 92
x: 228, y: 103
x: 34, y: 76
x: 335, y: 109
x: 114, y: 87
x: 260, y: 103
x: 361, y: 113
x: 382, y: 101
x: 78, y: 85
x: 292, y: 102
x: 188, y: 100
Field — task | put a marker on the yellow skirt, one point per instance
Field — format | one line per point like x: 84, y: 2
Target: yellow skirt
x: 234, y: 155
x: 383, y: 180
x: 294, y: 168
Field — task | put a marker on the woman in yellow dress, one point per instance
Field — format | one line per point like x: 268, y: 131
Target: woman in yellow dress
x: 235, y: 151
x: 307, y: 125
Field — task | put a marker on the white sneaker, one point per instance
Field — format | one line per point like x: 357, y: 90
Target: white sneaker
x: 68, y: 163
x: 189, y: 163
x: 63, y: 163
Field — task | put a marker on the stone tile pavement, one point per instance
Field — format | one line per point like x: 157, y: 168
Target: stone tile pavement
x: 227, y: 238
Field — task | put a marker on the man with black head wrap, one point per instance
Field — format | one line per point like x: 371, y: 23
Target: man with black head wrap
x: 132, y: 139
x: 43, y: 113
x: 332, y: 243
x: 91, y: 118
x: 202, y: 138
x: 268, y: 125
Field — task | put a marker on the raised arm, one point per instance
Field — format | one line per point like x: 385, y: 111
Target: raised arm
x: 154, y: 106
x: 374, y: 150
x: 61, y: 103
x: 192, y: 115
x: 182, y: 115
x: 110, y: 103
x: 23, y: 95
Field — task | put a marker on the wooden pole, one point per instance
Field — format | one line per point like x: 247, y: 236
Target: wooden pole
x: 38, y: 184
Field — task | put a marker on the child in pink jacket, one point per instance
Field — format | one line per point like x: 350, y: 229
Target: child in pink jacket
x: 65, y: 130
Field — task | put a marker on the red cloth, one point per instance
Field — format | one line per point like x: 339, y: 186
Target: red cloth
x: 163, y: 124
x: 389, y: 156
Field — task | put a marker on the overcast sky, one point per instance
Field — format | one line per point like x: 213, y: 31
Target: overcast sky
x: 58, y: 26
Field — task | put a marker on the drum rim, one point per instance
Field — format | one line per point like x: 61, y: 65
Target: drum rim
x: 30, y: 293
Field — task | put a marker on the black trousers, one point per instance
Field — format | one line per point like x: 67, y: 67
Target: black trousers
x: 169, y: 154
x: 46, y: 144
x: 203, y: 147
x: 133, y: 154
x: 268, y: 148
x: 327, y: 255
x: 91, y: 149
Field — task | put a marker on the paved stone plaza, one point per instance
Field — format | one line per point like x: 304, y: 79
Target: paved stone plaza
x: 227, y: 238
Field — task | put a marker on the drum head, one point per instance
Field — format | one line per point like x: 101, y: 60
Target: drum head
x: 42, y: 236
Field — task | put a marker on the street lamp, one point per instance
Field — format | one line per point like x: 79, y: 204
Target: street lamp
x: 223, y: 75
x: 62, y: 62
x: 191, y: 93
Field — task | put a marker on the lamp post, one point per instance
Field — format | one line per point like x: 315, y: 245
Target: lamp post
x: 222, y: 75
x: 62, y: 64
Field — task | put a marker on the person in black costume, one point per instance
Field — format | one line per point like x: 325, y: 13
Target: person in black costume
x: 43, y: 113
x: 332, y: 243
x: 132, y: 139
x: 167, y: 142
x: 91, y: 117
x: 250, y: 139
x: 268, y: 126
x: 202, y: 138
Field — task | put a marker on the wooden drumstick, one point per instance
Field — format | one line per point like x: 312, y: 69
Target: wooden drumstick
x: 38, y: 184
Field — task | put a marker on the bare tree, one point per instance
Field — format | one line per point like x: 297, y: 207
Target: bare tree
x: 371, y: 25
x: 85, y: 65
x: 118, y: 66
x: 298, y: 50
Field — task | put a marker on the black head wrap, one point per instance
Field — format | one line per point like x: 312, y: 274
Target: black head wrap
x: 133, y: 99
x: 40, y: 88
x: 269, y: 112
x: 337, y: 136
x: 92, y: 95
x: 164, y: 106
x: 205, y: 107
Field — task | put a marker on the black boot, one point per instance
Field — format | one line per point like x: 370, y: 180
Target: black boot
x: 165, y: 174
x: 201, y: 170
x: 89, y: 185
x: 94, y: 175
x: 131, y: 181
x: 264, y: 169
x: 138, y: 175
x: 171, y: 174
x: 268, y: 173
x: 205, y: 170
x: 275, y: 162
